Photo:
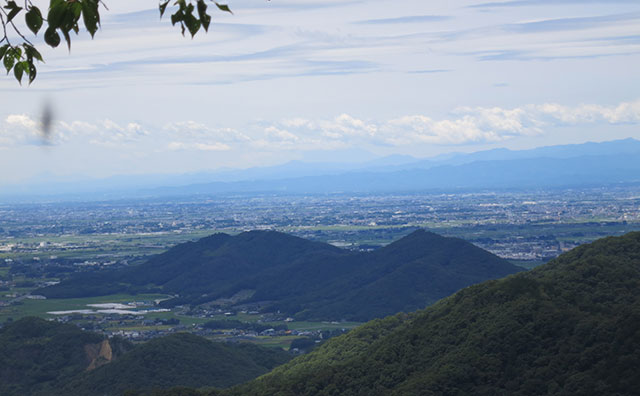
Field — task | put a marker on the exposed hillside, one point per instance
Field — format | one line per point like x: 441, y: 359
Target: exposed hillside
x: 570, y: 327
x: 37, y: 357
x: 310, y: 280
x: 181, y: 359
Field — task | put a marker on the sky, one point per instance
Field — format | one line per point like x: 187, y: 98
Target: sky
x: 332, y: 80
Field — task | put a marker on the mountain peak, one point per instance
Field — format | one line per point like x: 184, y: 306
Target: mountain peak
x: 566, y: 327
x: 303, y: 278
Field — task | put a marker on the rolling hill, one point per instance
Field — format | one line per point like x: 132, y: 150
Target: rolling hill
x: 37, y: 357
x: 180, y: 359
x: 569, y: 327
x: 49, y: 358
x: 310, y: 280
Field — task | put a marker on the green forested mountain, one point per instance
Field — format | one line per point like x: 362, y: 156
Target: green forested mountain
x: 37, y: 357
x: 310, y: 280
x: 178, y: 360
x: 570, y: 327
x: 48, y: 358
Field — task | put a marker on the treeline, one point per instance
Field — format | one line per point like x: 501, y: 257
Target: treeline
x: 236, y: 324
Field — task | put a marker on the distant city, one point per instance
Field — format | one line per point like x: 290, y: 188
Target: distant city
x: 522, y: 226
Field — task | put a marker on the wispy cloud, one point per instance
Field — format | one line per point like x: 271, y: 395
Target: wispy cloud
x: 562, y: 24
x: 429, y: 71
x: 521, y: 55
x: 546, y: 3
x: 405, y: 19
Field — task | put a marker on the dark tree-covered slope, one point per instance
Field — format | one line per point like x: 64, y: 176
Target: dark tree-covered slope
x: 40, y: 358
x: 178, y: 360
x: 570, y: 327
x: 37, y: 357
x: 310, y: 280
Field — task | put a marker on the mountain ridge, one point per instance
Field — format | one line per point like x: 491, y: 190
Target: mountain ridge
x: 348, y: 177
x: 305, y: 279
x: 569, y: 327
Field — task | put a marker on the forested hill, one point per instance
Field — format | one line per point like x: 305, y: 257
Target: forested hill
x: 310, y: 280
x: 41, y: 358
x: 570, y: 327
x: 180, y: 359
x: 37, y: 357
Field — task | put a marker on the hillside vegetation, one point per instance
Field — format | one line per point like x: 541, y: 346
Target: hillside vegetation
x: 310, y: 280
x: 49, y: 358
x: 37, y: 357
x: 570, y: 327
x: 178, y: 360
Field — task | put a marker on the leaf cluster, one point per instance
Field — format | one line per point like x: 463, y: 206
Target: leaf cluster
x: 191, y: 17
x: 65, y: 16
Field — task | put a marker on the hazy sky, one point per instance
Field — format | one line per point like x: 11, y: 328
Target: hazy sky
x: 321, y: 80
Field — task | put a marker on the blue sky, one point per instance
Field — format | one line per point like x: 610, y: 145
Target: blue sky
x: 325, y: 80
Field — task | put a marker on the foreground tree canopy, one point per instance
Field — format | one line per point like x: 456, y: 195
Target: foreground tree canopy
x: 18, y: 53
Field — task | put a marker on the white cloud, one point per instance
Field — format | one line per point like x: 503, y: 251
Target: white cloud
x: 180, y: 146
x: 212, y: 147
x: 467, y: 125
x: 22, y: 120
x: 198, y: 131
x: 20, y: 129
x: 280, y: 134
x: 624, y: 113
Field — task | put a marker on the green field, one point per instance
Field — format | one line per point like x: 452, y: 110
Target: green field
x: 40, y: 308
x: 311, y: 326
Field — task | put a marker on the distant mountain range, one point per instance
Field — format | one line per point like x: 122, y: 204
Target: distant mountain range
x: 570, y: 327
x: 305, y: 279
x: 579, y: 165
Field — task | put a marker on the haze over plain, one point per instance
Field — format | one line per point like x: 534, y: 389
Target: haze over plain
x: 355, y: 80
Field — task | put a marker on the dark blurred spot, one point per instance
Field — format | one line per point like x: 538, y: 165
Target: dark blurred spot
x: 47, y: 121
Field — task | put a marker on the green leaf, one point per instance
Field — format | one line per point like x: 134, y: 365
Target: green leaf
x: 3, y: 50
x: 205, y: 18
x: 163, y: 6
x: 193, y: 24
x: 224, y: 7
x: 69, y: 20
x: 9, y: 60
x: 33, y: 18
x: 177, y: 17
x: 76, y: 9
x: 13, y: 10
x: 90, y: 18
x: 18, y: 70
x: 32, y: 52
x: 32, y: 72
x: 65, y: 33
x: 56, y: 15
x: 52, y: 37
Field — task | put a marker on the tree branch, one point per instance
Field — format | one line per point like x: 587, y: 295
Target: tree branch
x: 4, y: 28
